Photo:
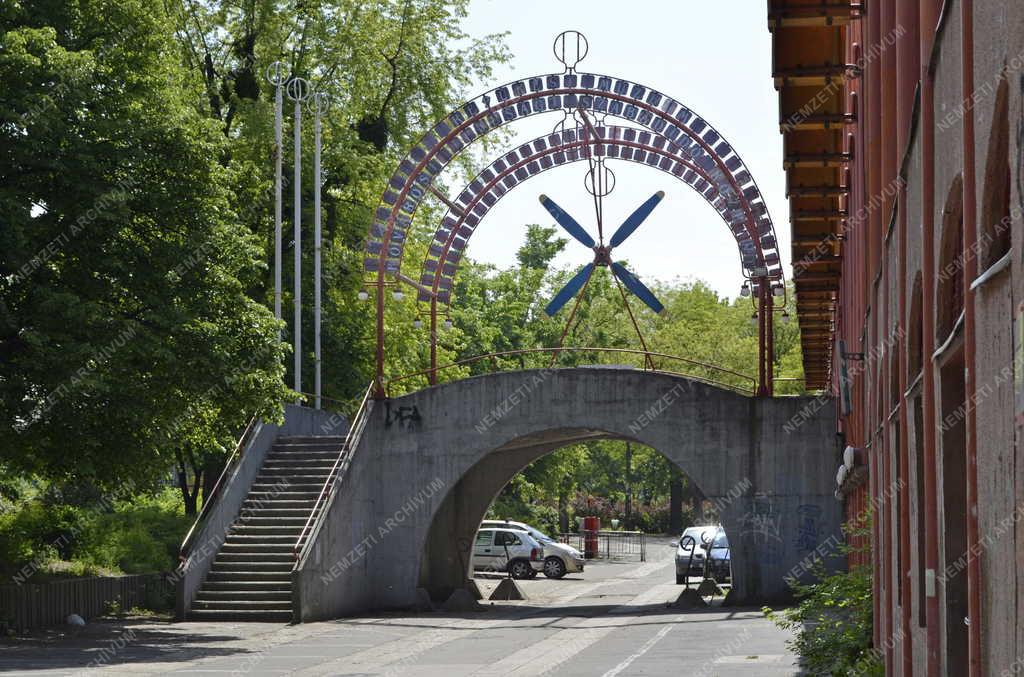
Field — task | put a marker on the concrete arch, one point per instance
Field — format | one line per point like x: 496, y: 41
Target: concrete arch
x: 444, y: 565
x: 418, y: 449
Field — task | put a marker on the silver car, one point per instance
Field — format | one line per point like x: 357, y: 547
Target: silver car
x: 502, y: 550
x: 690, y: 554
x: 559, y: 558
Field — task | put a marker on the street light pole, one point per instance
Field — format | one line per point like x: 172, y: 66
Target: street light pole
x: 298, y: 91
x: 276, y: 77
x: 319, y: 104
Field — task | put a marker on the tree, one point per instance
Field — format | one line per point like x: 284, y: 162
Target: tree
x: 126, y: 332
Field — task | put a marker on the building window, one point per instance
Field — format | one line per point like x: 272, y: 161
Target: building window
x: 914, y: 334
x: 995, y: 199
x: 949, y: 300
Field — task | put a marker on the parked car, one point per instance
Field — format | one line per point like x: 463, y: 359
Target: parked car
x: 685, y: 546
x: 559, y: 558
x: 720, y: 561
x: 516, y: 552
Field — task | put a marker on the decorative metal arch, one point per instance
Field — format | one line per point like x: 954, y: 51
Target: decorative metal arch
x: 570, y: 91
x: 548, y: 152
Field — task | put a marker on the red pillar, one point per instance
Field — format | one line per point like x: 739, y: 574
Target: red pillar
x: 970, y: 273
x: 929, y: 17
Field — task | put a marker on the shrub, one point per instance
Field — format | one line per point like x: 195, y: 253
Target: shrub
x: 56, y: 540
x: 832, y: 622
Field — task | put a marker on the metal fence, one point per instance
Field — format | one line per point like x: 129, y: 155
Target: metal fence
x: 30, y: 606
x: 610, y: 545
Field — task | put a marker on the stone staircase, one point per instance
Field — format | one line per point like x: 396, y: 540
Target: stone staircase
x: 250, y: 579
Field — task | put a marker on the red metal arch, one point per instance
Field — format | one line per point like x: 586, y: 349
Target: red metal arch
x: 568, y: 91
x: 415, y: 175
x: 504, y: 174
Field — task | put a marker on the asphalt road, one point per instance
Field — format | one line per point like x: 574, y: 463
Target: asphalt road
x: 614, y: 619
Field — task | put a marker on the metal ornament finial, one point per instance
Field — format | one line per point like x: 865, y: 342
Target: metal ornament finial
x: 570, y: 47
x: 298, y: 89
x: 318, y: 102
x: 277, y: 74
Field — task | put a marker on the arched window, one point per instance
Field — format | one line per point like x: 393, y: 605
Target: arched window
x: 995, y: 199
x: 949, y: 299
x: 914, y: 332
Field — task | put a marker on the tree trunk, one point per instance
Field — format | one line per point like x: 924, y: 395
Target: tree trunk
x: 675, y: 509
x: 189, y: 494
x: 212, y: 468
x: 563, y: 512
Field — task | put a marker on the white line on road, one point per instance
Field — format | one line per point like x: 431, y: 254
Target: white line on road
x: 644, y: 649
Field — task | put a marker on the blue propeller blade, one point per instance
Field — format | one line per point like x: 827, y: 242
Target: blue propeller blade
x: 569, y: 290
x: 567, y: 222
x: 636, y: 218
x: 634, y: 285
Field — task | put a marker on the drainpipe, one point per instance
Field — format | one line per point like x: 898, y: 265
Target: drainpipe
x: 929, y: 17
x: 907, y: 72
x: 970, y: 385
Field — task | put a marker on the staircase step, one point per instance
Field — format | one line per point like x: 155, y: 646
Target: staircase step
x: 306, y: 447
x: 268, y: 525
x: 265, y: 510
x: 290, y: 488
x: 252, y: 586
x: 258, y: 567
x: 259, y: 539
x: 253, y: 616
x: 280, y: 504
x: 308, y: 455
x: 255, y: 557
x: 205, y: 595
x: 242, y: 605
x: 264, y: 496
x: 234, y: 575
x: 254, y: 549
x: 306, y: 439
x: 288, y: 479
x: 308, y: 466
x: 260, y: 519
x: 275, y: 526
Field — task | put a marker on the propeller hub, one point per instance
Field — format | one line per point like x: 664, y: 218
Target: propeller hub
x: 602, y: 256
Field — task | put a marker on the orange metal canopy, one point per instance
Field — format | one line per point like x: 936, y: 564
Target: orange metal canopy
x: 812, y: 75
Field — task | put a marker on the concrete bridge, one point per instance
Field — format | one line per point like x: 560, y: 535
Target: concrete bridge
x: 427, y: 466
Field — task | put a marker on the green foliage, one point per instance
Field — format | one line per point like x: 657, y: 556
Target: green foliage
x: 832, y: 622
x: 43, y: 539
x: 590, y: 479
x: 125, y: 324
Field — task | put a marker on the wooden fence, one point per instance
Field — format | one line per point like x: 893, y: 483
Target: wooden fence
x: 30, y: 606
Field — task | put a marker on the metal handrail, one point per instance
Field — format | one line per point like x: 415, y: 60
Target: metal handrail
x: 351, y: 438
x: 648, y: 355
x: 209, y: 501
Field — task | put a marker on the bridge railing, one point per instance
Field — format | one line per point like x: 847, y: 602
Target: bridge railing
x: 651, y: 361
x: 319, y: 509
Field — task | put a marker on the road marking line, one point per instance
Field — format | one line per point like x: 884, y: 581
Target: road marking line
x: 556, y: 649
x: 644, y: 649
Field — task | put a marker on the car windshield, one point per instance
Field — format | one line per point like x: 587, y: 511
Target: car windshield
x: 721, y: 541
x: 541, y: 536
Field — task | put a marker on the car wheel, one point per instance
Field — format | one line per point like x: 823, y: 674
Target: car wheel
x: 519, y: 569
x: 680, y: 579
x: 554, y: 567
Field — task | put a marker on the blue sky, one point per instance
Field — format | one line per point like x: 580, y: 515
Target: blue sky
x: 714, y: 57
